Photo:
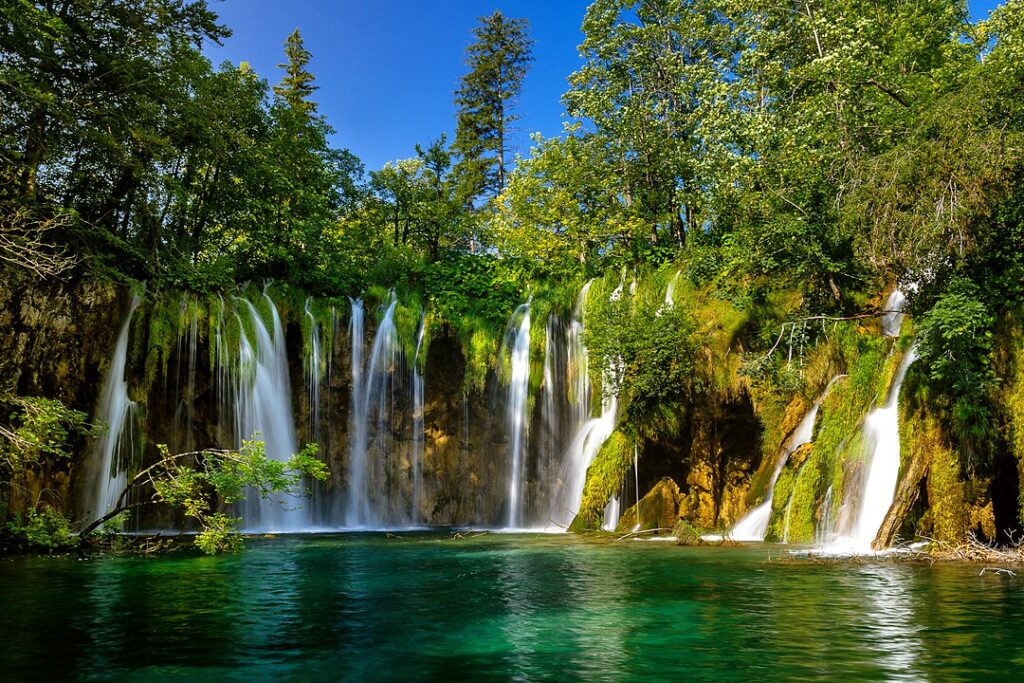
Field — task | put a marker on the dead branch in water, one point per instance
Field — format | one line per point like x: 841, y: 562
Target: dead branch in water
x: 633, y: 534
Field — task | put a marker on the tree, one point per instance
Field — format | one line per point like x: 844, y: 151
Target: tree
x: 498, y: 61
x: 197, y: 482
x: 297, y: 85
x: 304, y: 184
x: 653, y: 83
x: 90, y: 92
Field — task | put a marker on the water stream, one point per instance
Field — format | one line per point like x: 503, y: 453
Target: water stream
x: 263, y: 412
x: 114, y: 448
x: 517, y: 344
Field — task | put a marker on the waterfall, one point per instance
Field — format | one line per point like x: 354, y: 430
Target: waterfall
x: 590, y: 434
x: 881, y: 444
x: 611, y: 514
x: 314, y: 365
x: 418, y: 436
x: 578, y: 371
x: 882, y: 441
x: 892, y: 319
x: 368, y: 499
x: 670, y: 291
x: 113, y: 450
x: 517, y: 341
x: 263, y: 411
x: 823, y: 529
x: 753, y: 525
x: 356, y: 466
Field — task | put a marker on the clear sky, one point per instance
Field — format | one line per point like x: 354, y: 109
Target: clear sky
x: 387, y: 68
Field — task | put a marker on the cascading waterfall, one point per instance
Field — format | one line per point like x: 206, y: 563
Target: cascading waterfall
x: 517, y: 343
x: 892, y: 319
x: 356, y: 507
x: 108, y: 471
x: 753, y: 525
x: 882, y: 441
x: 587, y: 441
x: 418, y: 435
x: 314, y: 366
x: 578, y: 370
x: 556, y: 416
x: 263, y: 411
x: 881, y: 438
x: 367, y: 476
x: 824, y: 526
x: 670, y: 292
x: 611, y: 514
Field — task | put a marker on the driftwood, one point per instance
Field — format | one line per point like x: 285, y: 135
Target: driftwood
x: 633, y: 534
x: 907, y: 493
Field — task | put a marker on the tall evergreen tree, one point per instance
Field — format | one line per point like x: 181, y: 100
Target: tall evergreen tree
x: 497, y: 61
x: 297, y: 85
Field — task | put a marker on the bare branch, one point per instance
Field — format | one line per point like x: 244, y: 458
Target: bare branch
x: 26, y: 242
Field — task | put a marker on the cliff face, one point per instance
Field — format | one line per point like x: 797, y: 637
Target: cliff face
x: 55, y: 342
x: 59, y: 342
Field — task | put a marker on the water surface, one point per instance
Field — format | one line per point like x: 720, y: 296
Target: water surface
x: 498, y: 607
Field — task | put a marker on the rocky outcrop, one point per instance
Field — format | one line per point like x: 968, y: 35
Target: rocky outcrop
x: 56, y: 343
x: 658, y: 509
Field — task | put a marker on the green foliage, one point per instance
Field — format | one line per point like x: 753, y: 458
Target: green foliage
x: 956, y: 347
x: 37, y: 428
x: 44, y: 528
x: 219, y: 535
x: 195, y: 483
x: 645, y: 353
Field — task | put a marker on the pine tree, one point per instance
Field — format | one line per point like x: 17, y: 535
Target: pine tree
x: 497, y: 61
x: 297, y: 85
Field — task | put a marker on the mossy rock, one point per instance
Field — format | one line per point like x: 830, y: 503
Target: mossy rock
x: 659, y: 509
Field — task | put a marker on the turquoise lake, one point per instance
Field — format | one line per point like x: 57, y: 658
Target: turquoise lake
x: 522, y: 607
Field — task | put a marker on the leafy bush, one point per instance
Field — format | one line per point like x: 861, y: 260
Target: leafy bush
x: 44, y: 528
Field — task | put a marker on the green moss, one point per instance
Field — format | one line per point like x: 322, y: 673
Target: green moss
x: 163, y: 324
x: 481, y: 352
x: 1012, y: 396
x: 604, y: 478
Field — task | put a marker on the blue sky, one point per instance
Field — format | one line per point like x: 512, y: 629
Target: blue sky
x: 387, y: 68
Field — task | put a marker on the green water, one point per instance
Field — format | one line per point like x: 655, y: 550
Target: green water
x: 362, y: 607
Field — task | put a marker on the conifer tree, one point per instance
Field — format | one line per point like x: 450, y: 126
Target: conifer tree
x: 297, y: 85
x: 498, y: 61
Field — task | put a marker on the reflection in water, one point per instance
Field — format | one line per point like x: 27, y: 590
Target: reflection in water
x: 429, y: 607
x: 889, y: 617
